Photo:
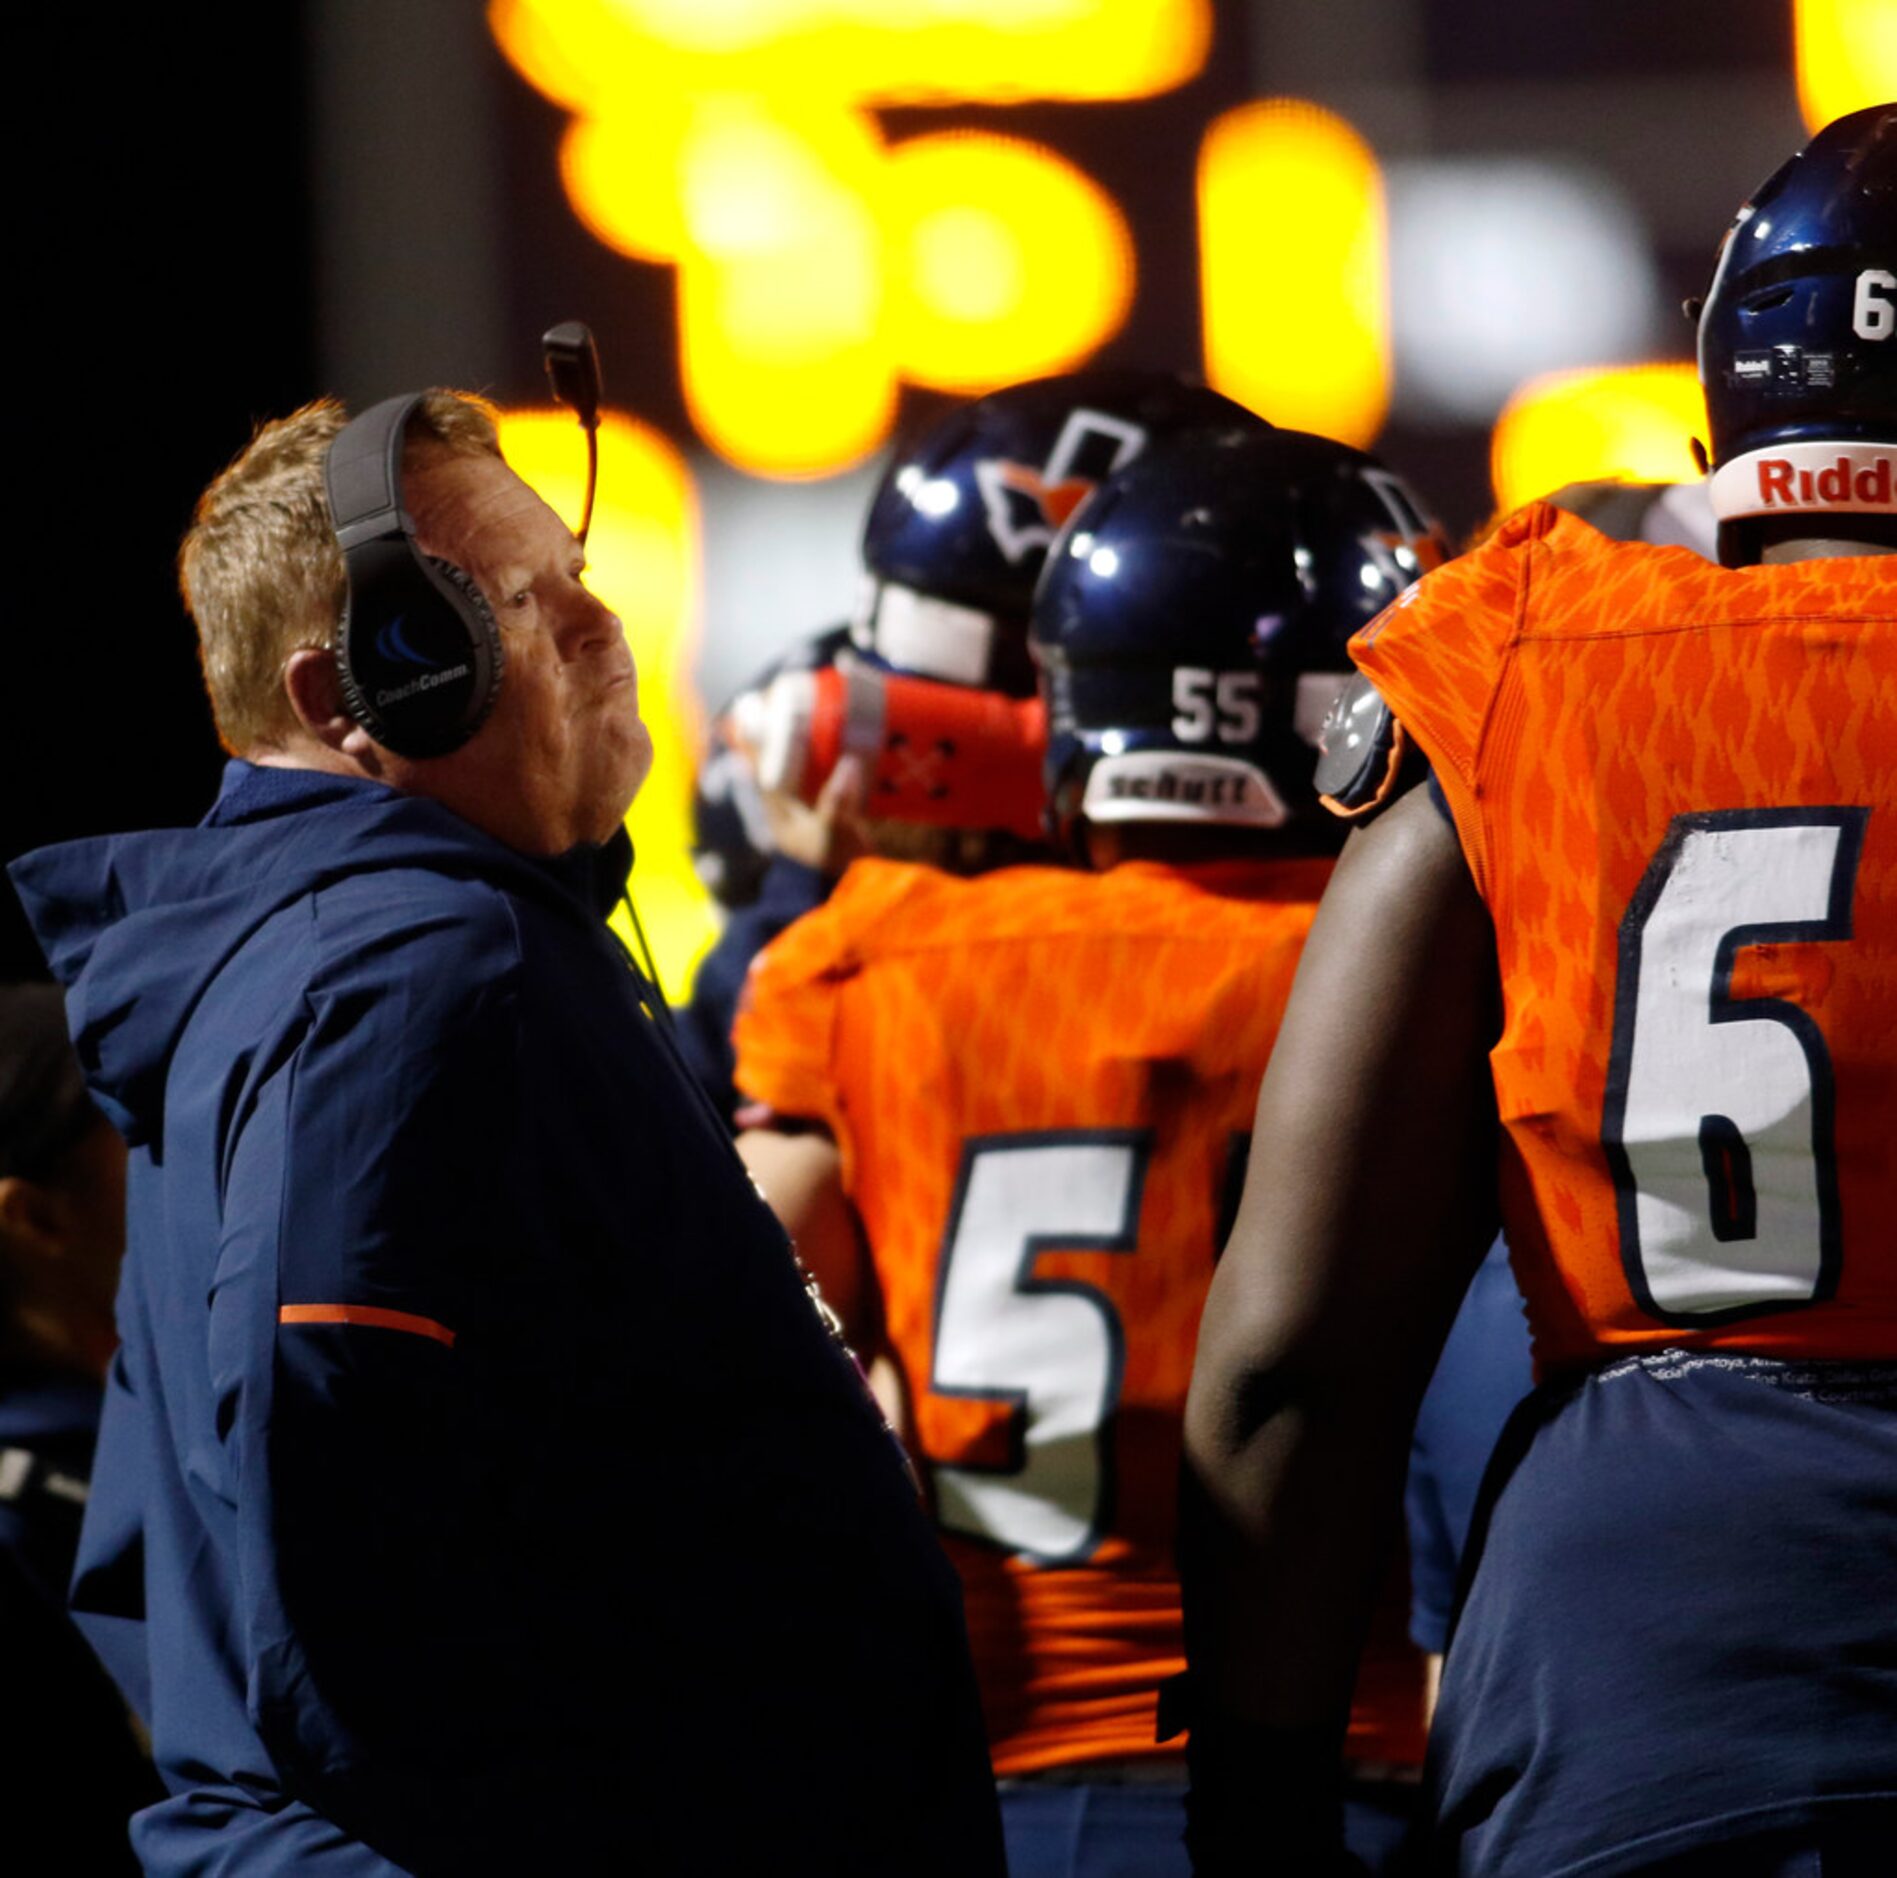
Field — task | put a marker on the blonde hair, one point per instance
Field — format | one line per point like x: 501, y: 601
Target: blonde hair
x: 259, y: 567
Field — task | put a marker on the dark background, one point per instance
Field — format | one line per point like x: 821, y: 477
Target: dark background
x: 170, y: 308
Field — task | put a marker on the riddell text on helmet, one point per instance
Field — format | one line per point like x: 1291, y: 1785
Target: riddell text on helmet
x: 1799, y: 477
x: 1782, y: 484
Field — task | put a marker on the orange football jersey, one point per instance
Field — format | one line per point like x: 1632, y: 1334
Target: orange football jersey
x: 1042, y: 1084
x: 1676, y: 787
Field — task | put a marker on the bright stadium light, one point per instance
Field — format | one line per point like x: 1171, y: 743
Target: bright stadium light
x: 642, y: 561
x: 734, y: 140
x: 589, y: 54
x: 805, y: 395
x: 1005, y: 262
x: 618, y: 172
x: 1846, y: 52
x: 1632, y: 422
x: 1291, y: 258
x: 786, y: 365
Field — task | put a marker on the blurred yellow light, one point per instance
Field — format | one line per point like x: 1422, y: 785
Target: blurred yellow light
x: 759, y: 176
x: 734, y: 139
x: 591, y: 55
x: 966, y: 264
x: 621, y: 176
x: 642, y: 560
x: 786, y: 367
x: 1005, y: 261
x: 1847, y: 56
x: 550, y: 46
x: 780, y: 397
x: 1292, y: 269
x: 1633, y: 422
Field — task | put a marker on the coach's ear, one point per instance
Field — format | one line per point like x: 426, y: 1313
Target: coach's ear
x: 315, y: 694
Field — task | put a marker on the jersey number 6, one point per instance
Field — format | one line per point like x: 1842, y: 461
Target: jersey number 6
x: 1718, y: 1118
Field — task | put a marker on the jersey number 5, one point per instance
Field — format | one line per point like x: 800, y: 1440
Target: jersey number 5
x: 1718, y: 1119
x: 1052, y: 1349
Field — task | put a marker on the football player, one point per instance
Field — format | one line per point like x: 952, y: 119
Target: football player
x: 954, y: 540
x: 1628, y: 940
x: 736, y: 854
x: 1032, y: 1089
x: 961, y: 524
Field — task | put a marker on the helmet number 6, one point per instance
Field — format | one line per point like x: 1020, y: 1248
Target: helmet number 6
x: 1872, y: 316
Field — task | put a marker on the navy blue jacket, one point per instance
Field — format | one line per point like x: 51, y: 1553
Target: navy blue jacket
x: 477, y: 1490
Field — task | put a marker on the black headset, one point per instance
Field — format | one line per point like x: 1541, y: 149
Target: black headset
x: 418, y: 653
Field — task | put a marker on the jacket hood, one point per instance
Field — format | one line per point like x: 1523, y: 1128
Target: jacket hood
x: 136, y: 926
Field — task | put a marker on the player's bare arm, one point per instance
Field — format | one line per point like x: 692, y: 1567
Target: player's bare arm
x: 1367, y: 1204
x: 800, y: 1173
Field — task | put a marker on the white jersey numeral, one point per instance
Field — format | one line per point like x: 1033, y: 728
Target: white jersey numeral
x: 1052, y: 1348
x: 1872, y: 317
x: 1718, y: 1118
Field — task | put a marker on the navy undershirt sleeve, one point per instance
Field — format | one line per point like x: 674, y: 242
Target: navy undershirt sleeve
x: 790, y: 891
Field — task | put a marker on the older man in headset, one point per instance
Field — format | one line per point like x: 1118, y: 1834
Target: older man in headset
x: 479, y: 1489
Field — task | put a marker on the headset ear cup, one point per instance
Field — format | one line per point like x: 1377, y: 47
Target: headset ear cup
x: 418, y: 650
x: 484, y: 637
x: 354, y: 701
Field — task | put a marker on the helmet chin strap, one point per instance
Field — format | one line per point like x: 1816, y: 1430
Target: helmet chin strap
x: 1813, y: 540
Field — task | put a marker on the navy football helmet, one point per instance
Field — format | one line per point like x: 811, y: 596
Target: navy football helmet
x: 1798, y: 331
x: 1190, y: 626
x: 961, y: 522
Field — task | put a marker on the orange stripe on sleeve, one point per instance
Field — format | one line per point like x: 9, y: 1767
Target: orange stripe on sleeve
x: 371, y: 1314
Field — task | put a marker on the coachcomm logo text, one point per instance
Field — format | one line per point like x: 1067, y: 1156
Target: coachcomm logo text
x: 427, y: 682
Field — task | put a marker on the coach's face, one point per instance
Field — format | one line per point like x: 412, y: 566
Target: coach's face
x: 563, y: 752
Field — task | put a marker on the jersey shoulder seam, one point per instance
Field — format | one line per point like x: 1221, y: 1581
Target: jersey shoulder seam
x: 1528, y: 636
